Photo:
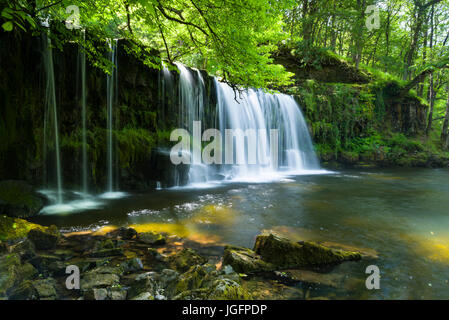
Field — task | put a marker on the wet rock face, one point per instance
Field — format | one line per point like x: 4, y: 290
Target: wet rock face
x: 19, y: 200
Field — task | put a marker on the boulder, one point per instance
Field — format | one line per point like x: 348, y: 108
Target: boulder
x: 19, y: 200
x: 15, y: 228
x: 184, y: 259
x: 46, y: 289
x: 25, y: 249
x: 206, y: 283
x: 159, y: 284
x: 132, y: 265
x: 152, y: 238
x: 23, y: 291
x: 144, y: 296
x: 245, y: 260
x: 284, y: 253
x: 13, y: 272
x: 127, y: 233
x: 95, y: 279
x: 44, y: 239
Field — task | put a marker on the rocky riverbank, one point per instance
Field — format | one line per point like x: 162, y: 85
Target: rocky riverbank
x: 119, y: 264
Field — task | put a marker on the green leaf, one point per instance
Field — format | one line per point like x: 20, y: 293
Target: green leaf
x: 7, y: 26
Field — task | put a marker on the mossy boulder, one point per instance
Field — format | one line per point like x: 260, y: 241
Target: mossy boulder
x: 284, y: 253
x: 152, y: 238
x: 13, y: 272
x: 244, y: 260
x: 206, y: 283
x: 184, y: 259
x: 14, y: 228
x: 44, y: 239
x: 19, y: 200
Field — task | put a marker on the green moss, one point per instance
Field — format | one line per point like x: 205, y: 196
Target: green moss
x: 287, y: 254
x: 184, y: 259
x: 13, y: 228
x: 15, y: 192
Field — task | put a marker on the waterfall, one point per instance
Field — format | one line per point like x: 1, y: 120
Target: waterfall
x: 51, y: 113
x: 191, y: 108
x: 82, y: 58
x: 248, y: 109
x: 111, y: 85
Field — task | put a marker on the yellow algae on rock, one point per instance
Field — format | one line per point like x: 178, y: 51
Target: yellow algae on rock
x: 217, y: 215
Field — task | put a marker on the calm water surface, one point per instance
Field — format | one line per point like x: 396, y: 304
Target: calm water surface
x: 402, y: 216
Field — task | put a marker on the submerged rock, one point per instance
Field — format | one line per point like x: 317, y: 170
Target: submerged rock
x: 284, y: 253
x: 19, y: 200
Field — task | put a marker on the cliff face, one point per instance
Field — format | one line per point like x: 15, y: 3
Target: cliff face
x: 145, y: 112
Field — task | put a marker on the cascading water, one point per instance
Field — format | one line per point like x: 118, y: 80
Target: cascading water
x: 51, y: 114
x: 112, y: 92
x: 82, y: 57
x: 191, y: 108
x: 248, y: 110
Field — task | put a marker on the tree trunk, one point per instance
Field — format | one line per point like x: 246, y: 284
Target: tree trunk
x: 444, y: 131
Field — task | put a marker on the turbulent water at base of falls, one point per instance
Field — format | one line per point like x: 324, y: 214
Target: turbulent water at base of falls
x: 249, y: 109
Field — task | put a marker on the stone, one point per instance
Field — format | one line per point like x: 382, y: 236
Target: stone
x: 284, y: 253
x: 127, y: 233
x: 104, y: 253
x: 46, y: 288
x: 23, y: 291
x: 12, y: 272
x: 117, y: 294
x: 96, y: 294
x: 44, y: 239
x: 15, y: 228
x: 132, y: 265
x: 25, y: 249
x: 152, y: 238
x: 19, y: 200
x: 92, y: 280
x: 144, y: 296
x: 184, y: 259
x: 142, y: 283
x: 310, y: 277
x: 244, y: 260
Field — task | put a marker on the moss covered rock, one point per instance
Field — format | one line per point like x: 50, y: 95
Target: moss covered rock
x: 244, y: 260
x: 14, y: 228
x: 206, y: 283
x: 19, y: 200
x: 284, y: 253
x: 184, y: 259
x: 44, y: 239
x: 152, y: 238
x: 13, y: 272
